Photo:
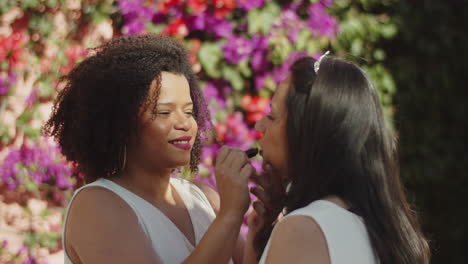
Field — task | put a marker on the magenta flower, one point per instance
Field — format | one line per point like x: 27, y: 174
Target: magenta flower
x: 41, y: 164
x: 292, y: 24
x: 248, y: 5
x: 260, y: 80
x: 135, y: 13
x: 31, y: 99
x: 3, y: 88
x: 216, y: 90
x: 321, y: 22
x: 281, y: 73
x: 237, y: 48
x: 326, y: 3
x: 208, y: 22
x: 6, y: 83
x: 259, y: 60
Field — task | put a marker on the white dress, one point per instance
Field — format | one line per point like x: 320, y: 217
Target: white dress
x: 167, y: 240
x: 345, y: 233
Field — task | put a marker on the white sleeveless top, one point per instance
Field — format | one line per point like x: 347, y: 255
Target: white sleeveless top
x: 167, y: 240
x: 345, y: 233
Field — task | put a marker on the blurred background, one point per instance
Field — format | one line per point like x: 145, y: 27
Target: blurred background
x: 414, y: 51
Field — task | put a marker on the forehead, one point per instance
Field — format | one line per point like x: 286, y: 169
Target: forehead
x: 279, y: 98
x: 174, y: 86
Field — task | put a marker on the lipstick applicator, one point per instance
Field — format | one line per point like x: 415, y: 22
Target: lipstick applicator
x: 252, y: 152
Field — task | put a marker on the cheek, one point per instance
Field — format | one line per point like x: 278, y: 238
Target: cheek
x: 194, y: 126
x: 194, y: 129
x: 156, y: 133
x: 276, y: 145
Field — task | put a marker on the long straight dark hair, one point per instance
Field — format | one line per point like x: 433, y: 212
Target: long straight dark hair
x: 339, y: 145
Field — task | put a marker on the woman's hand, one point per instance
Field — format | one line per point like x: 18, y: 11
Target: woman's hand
x: 233, y: 170
x: 270, y: 191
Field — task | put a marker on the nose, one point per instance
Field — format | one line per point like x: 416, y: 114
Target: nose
x: 182, y: 122
x: 260, y: 126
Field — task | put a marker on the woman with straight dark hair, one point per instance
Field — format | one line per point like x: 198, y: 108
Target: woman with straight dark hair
x: 332, y: 165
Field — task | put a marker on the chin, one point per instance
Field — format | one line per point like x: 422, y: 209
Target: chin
x: 181, y: 163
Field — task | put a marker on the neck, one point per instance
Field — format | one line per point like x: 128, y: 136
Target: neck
x: 151, y: 184
x: 338, y: 201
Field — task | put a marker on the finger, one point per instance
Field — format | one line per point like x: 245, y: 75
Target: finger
x: 238, y: 159
x: 247, y: 171
x: 222, y: 155
x: 262, y: 196
x: 259, y: 208
x: 261, y: 180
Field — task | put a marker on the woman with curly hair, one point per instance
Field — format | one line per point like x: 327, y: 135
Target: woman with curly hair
x: 332, y: 166
x: 128, y: 116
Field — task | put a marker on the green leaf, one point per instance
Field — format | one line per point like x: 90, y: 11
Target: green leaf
x: 270, y: 83
x: 6, y: 5
x: 313, y: 46
x: 4, y: 137
x: 210, y: 55
x: 32, y: 133
x: 379, y: 54
x: 221, y: 116
x: 25, y: 4
x: 244, y: 68
x: 42, y: 23
x: 30, y: 185
x: 303, y: 39
x: 233, y: 76
x: 265, y: 93
x: 388, y: 31
x: 155, y: 29
x: 280, y: 48
x: 357, y: 47
x: 52, y: 3
x: 261, y: 20
x: 24, y: 118
x: 30, y: 239
x: 46, y: 89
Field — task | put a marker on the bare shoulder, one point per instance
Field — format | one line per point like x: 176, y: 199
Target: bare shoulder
x: 97, y: 203
x: 100, y: 224
x: 305, y: 241
x: 210, y: 193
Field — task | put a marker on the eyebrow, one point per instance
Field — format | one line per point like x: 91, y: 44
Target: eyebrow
x: 171, y: 104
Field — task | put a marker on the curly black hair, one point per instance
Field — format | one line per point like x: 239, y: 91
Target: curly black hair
x: 99, y: 108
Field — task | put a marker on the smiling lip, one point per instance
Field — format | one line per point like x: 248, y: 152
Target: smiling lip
x: 182, y: 143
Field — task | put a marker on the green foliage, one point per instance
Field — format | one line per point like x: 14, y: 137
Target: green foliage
x: 364, y: 30
x: 234, y: 77
x: 415, y: 54
x: 47, y: 240
x: 210, y: 56
x: 280, y: 49
x: 429, y: 61
x: 261, y: 20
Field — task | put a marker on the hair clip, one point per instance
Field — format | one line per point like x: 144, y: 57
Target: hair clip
x: 317, y: 63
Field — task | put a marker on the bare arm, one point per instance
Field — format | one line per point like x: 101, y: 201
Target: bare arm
x: 213, y: 198
x: 250, y: 255
x: 232, y: 171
